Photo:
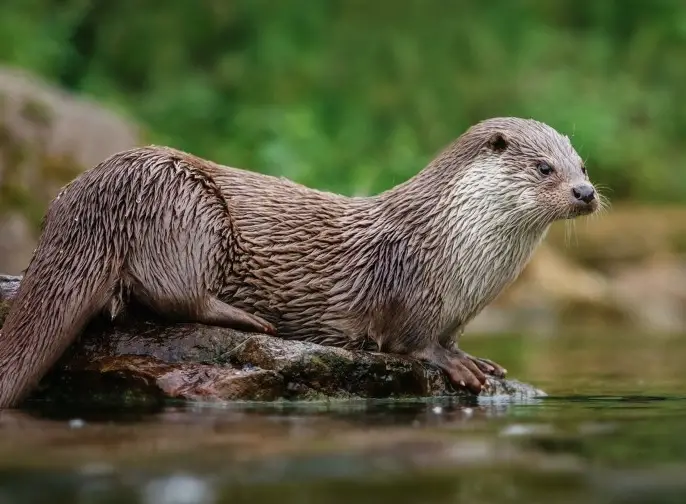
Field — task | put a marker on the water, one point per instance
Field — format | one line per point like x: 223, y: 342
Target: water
x: 610, y: 432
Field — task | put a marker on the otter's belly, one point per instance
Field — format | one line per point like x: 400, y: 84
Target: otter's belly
x: 291, y: 290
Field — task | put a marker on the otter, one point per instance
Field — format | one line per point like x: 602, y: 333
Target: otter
x: 402, y: 271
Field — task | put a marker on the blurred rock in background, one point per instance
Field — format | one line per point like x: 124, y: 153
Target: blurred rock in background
x: 625, y: 269
x: 47, y: 137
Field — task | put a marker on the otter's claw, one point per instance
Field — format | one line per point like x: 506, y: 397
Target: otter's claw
x: 463, y: 370
x: 463, y: 373
x: 485, y: 365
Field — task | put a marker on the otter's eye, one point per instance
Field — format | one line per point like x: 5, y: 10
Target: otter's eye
x: 544, y: 168
x: 583, y: 169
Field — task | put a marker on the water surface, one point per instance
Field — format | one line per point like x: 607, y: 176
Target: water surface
x: 610, y: 431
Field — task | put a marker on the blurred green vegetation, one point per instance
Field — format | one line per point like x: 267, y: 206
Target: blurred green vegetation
x: 356, y: 96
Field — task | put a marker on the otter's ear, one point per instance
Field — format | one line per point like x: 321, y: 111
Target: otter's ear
x: 498, y: 142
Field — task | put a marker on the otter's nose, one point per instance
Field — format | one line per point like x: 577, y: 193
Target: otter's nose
x: 584, y: 192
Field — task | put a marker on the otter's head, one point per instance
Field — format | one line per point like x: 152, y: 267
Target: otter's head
x: 527, y: 167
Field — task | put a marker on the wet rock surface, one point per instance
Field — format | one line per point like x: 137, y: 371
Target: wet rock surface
x: 151, y: 361
x: 8, y: 287
x: 145, y: 361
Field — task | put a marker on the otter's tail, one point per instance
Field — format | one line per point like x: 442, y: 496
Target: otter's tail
x: 68, y: 280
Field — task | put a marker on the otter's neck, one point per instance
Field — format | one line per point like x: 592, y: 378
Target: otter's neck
x: 471, y: 242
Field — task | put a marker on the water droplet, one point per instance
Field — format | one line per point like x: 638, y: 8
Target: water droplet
x: 179, y: 489
x: 76, y: 423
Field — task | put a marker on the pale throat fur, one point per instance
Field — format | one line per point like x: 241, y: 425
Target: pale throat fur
x: 475, y: 231
x: 492, y: 234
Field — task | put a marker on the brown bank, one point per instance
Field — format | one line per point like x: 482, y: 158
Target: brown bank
x: 144, y: 360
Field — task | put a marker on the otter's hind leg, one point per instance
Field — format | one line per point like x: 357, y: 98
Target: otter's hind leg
x: 183, y: 253
x: 216, y: 312
x: 188, y: 304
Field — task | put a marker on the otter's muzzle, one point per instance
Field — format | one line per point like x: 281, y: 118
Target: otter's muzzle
x: 584, y: 193
x: 584, y: 198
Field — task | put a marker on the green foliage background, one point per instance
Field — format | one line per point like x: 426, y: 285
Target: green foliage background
x: 355, y: 96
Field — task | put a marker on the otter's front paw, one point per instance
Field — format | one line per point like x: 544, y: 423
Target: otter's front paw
x: 461, y: 369
x: 485, y: 365
x: 464, y: 373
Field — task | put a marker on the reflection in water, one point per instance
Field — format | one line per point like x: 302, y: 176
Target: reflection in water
x: 609, y: 432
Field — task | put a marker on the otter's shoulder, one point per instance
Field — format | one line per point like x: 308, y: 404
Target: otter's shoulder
x: 160, y: 155
x: 157, y: 155
x: 230, y: 180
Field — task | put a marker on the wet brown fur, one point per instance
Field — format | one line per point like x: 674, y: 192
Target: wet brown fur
x: 197, y: 241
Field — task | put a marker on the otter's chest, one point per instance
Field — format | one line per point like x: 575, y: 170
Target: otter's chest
x: 479, y: 274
